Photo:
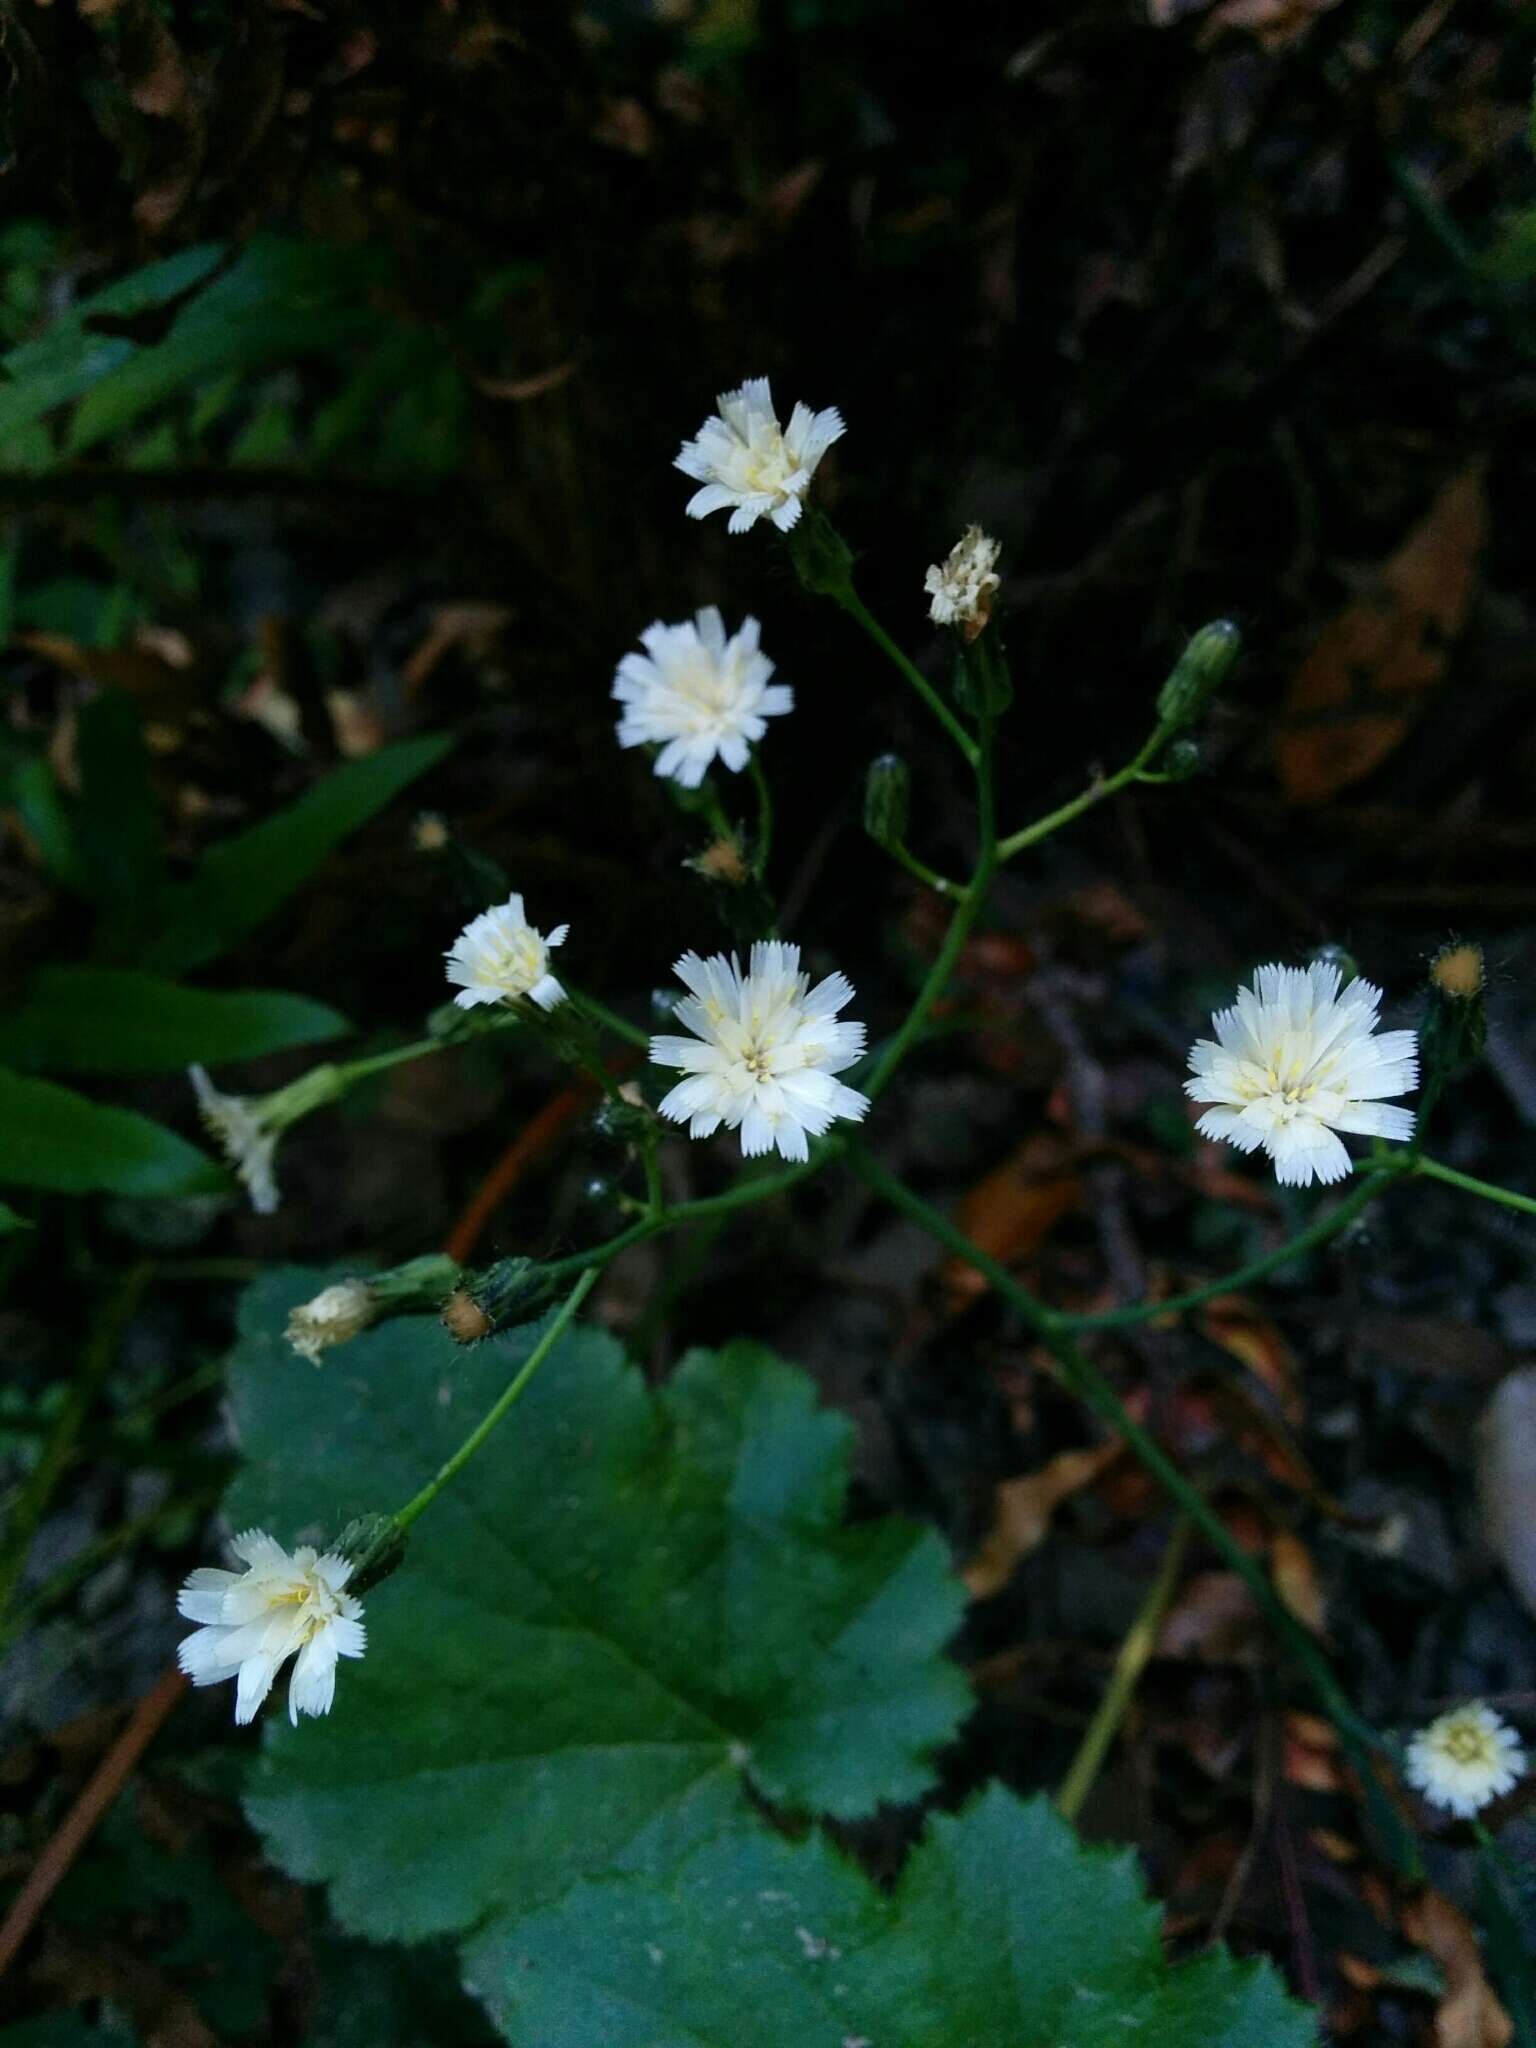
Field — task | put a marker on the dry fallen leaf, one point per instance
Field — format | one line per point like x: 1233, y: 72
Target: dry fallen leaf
x: 1296, y: 1581
x: 1359, y: 689
x: 1469, y: 2015
x: 1012, y: 1209
x: 1022, y: 1514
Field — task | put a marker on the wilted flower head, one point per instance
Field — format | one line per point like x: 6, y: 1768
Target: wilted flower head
x: 1296, y: 1063
x: 499, y: 956
x: 766, y: 1047
x: 337, y: 1314
x: 252, y: 1622
x: 963, y: 585
x: 698, y: 695
x: 747, y: 461
x: 1465, y: 1759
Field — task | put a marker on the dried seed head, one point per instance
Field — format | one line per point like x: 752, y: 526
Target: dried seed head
x: 1458, y: 972
x: 464, y: 1319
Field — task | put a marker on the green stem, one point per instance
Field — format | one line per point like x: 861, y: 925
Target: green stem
x: 1487, y: 1189
x: 1326, y: 1226
x: 96, y: 1362
x: 609, y: 1019
x: 764, y: 816
x: 348, y: 1071
x: 1042, y: 828
x: 921, y: 872
x: 1135, y: 1653
x: 558, y: 1326
x: 1083, y: 1378
x: 856, y: 609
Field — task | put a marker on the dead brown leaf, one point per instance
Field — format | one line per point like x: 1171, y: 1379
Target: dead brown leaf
x: 1022, y: 1512
x: 1215, y: 1621
x: 1274, y: 22
x: 474, y: 625
x: 1010, y: 1212
x: 1296, y: 1580
x: 1362, y: 685
x: 1469, y: 2014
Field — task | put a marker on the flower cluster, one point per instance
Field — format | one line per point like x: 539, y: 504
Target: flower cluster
x: 698, y: 696
x: 749, y: 464
x: 1296, y: 1060
x: 1465, y: 1759
x: 250, y: 1623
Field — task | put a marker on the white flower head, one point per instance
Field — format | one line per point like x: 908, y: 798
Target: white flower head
x: 499, y: 956
x: 1295, y: 1062
x: 252, y: 1622
x: 245, y: 1136
x: 698, y: 695
x: 765, y: 1048
x: 747, y: 461
x: 1465, y: 1759
x: 337, y: 1314
x: 963, y: 585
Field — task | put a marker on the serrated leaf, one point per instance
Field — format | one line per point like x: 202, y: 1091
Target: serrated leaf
x: 51, y: 1137
x: 1003, y: 1932
x: 625, y: 1601
x: 246, y: 878
x: 102, y: 1020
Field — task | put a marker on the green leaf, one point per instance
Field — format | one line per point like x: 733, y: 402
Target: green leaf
x: 117, y: 829
x: 72, y: 355
x: 27, y: 781
x: 54, y: 1138
x: 102, y: 1020
x: 1003, y: 1932
x: 625, y: 1602
x: 10, y: 1221
x: 244, y: 880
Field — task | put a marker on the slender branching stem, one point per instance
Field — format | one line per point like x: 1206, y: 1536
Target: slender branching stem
x: 856, y: 608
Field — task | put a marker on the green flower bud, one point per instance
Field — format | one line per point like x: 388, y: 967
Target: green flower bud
x: 376, y: 1546
x: 887, y: 800
x: 1186, y: 757
x: 823, y: 559
x: 622, y: 1122
x: 1198, y: 673
x: 1333, y: 955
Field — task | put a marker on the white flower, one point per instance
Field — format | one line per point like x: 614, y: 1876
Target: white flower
x: 245, y: 1136
x: 336, y: 1315
x: 963, y: 584
x: 698, y: 695
x: 1464, y: 1759
x: 499, y: 956
x: 1297, y: 1062
x: 253, y: 1621
x: 746, y: 460
x: 765, y: 1050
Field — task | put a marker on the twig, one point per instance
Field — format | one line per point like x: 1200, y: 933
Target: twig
x: 108, y: 1779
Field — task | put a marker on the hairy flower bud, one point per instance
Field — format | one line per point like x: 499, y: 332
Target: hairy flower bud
x: 887, y: 800
x: 1455, y: 1026
x: 1198, y: 673
x: 722, y: 861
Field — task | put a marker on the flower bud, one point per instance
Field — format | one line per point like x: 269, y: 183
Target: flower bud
x: 626, y: 1121
x: 1334, y: 955
x: 1198, y: 673
x: 376, y: 1546
x: 346, y: 1308
x: 510, y: 1292
x: 1186, y: 757
x: 823, y: 559
x: 887, y: 800
x: 663, y: 1006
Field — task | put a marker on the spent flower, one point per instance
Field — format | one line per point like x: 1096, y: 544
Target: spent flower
x: 336, y: 1315
x: 748, y: 463
x: 499, y: 957
x: 247, y: 1127
x: 766, y: 1046
x: 964, y: 584
x: 697, y: 695
x: 252, y: 1622
x: 1295, y: 1061
x: 1465, y: 1759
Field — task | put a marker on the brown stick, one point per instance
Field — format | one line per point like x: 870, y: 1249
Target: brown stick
x: 531, y: 1143
x: 106, y: 1781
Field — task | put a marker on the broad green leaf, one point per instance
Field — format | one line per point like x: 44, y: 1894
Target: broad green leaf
x: 246, y: 878
x: 10, y: 1221
x: 72, y: 355
x: 52, y: 1138
x: 103, y: 1020
x: 27, y: 781
x: 627, y: 1601
x: 279, y: 299
x: 1003, y: 1932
